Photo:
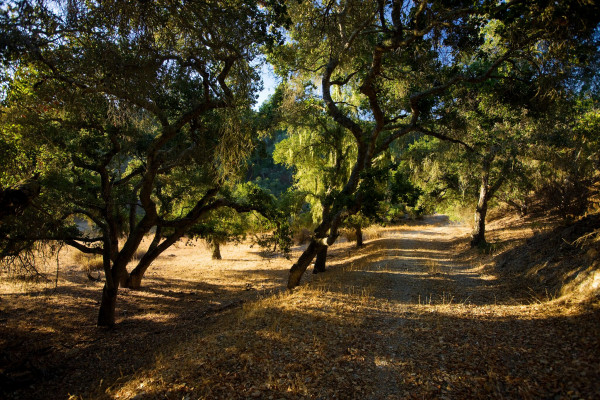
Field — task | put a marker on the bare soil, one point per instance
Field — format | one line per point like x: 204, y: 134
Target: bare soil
x: 412, y: 314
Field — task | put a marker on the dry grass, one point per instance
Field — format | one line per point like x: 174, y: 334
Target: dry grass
x: 302, y: 236
x: 377, y: 325
x: 88, y: 262
x: 374, y: 328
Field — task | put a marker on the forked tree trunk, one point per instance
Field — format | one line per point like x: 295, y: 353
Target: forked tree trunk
x: 303, y: 262
x: 321, y: 260
x: 317, y: 248
x: 359, y: 236
x: 216, y: 250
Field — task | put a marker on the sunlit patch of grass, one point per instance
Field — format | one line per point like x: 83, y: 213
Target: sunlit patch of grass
x: 275, y: 346
x: 88, y: 262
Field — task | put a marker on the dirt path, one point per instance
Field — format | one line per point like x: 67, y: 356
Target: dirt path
x: 399, y: 318
x: 442, y: 329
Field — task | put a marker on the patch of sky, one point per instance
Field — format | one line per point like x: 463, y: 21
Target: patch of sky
x: 269, y: 80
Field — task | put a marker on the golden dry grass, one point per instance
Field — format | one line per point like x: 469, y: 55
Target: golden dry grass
x: 378, y: 325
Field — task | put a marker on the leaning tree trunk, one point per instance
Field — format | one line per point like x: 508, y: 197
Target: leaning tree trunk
x: 317, y: 247
x: 216, y: 250
x: 134, y: 280
x: 303, y: 262
x: 321, y: 260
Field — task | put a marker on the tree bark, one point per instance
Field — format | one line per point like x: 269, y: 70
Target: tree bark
x: 303, y: 262
x: 106, y: 315
x: 216, y: 250
x: 134, y: 280
x: 486, y: 192
x: 321, y: 260
x: 478, y: 237
x: 359, y: 236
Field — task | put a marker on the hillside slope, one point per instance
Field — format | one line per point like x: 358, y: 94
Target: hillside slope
x: 561, y: 262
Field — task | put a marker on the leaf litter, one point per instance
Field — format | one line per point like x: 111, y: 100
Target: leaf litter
x: 401, y: 318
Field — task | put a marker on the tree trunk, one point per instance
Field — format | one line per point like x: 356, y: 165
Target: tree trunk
x: 359, y: 236
x: 321, y: 259
x: 303, y: 262
x: 134, y: 280
x: 216, y: 250
x: 106, y: 315
x: 478, y: 238
x: 124, y: 280
x: 486, y: 192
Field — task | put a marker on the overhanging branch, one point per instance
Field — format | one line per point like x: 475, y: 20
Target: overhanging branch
x: 441, y: 136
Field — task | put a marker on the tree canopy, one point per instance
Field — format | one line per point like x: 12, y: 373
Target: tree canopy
x: 385, y: 70
x: 136, y: 117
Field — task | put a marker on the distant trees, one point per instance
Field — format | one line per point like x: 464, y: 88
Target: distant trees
x: 385, y: 68
x: 138, y: 108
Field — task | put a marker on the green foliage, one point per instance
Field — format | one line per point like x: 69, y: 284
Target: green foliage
x: 134, y: 116
x: 222, y: 226
x: 318, y: 151
x: 263, y: 170
x: 567, y: 160
x: 272, y: 230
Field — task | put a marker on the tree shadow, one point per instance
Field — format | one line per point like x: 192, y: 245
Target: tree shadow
x: 368, y: 352
x: 52, y: 342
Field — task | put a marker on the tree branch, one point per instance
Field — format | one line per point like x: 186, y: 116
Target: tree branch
x: 332, y: 108
x: 84, y: 248
x: 442, y: 137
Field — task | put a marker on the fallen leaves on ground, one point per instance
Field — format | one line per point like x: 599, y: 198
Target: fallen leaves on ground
x: 398, y: 319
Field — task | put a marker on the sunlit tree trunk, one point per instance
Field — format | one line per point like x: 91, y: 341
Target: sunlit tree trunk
x: 478, y: 237
x: 317, y: 247
x: 303, y: 262
x: 216, y: 250
x: 486, y: 192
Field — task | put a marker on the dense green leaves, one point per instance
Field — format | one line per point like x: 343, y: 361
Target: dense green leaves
x: 136, y: 117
